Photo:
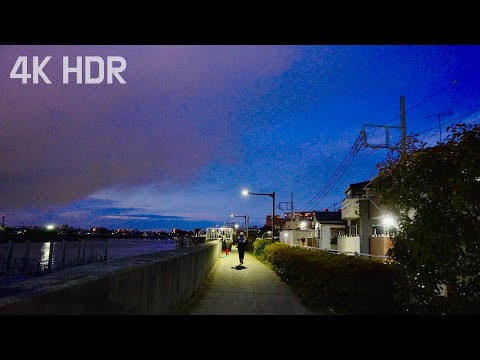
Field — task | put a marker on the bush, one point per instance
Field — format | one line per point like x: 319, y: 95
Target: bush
x: 259, y: 245
x: 346, y: 284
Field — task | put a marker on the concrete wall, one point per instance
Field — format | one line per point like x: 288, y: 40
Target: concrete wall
x: 349, y: 244
x: 293, y: 236
x: 365, y: 226
x: 158, y: 283
x: 326, y: 235
x: 379, y: 245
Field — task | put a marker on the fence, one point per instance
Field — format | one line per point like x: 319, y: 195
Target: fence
x: 184, y: 242
x: 379, y: 257
x: 21, y: 258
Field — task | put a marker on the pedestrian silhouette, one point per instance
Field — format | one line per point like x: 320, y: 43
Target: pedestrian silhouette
x: 241, y: 245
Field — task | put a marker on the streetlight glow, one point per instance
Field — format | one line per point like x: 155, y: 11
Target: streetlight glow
x: 50, y: 227
x: 246, y: 226
x: 272, y: 195
x: 388, y: 221
x: 268, y: 232
x: 303, y: 224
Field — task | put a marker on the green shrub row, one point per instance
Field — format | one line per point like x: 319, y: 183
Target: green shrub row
x: 345, y: 284
x: 259, y: 246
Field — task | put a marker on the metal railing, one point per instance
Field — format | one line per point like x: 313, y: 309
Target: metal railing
x: 350, y: 253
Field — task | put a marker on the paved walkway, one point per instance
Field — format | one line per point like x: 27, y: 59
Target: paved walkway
x: 251, y: 289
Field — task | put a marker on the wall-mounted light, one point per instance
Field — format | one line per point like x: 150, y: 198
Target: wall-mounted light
x: 388, y: 221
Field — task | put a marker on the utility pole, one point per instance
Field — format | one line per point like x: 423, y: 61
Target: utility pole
x: 288, y: 206
x: 291, y: 214
x: 449, y: 113
x: 403, y: 125
x: 387, y: 145
x: 273, y: 217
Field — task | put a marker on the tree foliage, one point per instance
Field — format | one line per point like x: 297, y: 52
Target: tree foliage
x: 435, y: 192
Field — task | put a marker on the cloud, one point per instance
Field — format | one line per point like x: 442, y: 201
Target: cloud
x: 142, y: 217
x: 60, y: 143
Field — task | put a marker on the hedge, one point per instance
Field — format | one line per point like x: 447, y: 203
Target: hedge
x: 259, y: 245
x: 345, y: 284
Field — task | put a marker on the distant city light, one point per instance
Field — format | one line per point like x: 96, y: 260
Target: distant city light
x: 236, y: 226
x: 50, y: 227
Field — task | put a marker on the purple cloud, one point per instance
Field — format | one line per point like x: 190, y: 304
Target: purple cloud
x: 60, y: 143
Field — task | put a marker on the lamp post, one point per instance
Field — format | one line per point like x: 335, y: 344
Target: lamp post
x: 245, y: 217
x: 228, y: 223
x: 272, y: 195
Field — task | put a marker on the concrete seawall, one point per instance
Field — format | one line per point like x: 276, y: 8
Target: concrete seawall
x: 158, y: 283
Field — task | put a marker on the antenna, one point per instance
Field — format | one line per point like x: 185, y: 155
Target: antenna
x: 449, y: 113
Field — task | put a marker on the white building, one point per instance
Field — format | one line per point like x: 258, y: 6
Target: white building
x: 320, y: 232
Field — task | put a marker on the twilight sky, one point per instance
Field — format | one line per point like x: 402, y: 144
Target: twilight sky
x: 194, y: 125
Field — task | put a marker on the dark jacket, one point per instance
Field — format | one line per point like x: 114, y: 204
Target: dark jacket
x: 242, y: 242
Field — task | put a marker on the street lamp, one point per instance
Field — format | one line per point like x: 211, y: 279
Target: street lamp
x: 388, y: 222
x: 245, y: 217
x: 272, y: 195
x: 266, y: 233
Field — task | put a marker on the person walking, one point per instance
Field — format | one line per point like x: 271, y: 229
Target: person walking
x: 241, y: 245
x: 227, y: 249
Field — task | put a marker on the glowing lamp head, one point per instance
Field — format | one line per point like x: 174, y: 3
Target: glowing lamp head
x: 236, y: 226
x: 245, y: 192
x: 388, y: 221
x: 303, y: 224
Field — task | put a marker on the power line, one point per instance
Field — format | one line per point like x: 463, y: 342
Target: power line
x: 426, y: 138
x: 419, y: 103
x: 435, y: 134
x: 354, y: 151
x: 374, y: 171
x: 348, y: 158
x: 332, y: 181
x: 349, y: 154
x: 370, y: 176
x: 368, y: 154
x: 458, y: 118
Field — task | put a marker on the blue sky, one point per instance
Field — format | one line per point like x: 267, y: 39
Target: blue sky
x: 194, y: 125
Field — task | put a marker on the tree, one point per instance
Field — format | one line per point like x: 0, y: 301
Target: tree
x: 435, y: 192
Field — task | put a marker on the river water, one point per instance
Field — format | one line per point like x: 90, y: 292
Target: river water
x: 87, y: 250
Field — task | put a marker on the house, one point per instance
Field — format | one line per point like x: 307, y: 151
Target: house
x: 318, y: 229
x: 365, y: 216
x: 329, y: 225
x: 298, y: 232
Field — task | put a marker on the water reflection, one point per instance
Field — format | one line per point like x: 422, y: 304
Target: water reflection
x: 44, y: 252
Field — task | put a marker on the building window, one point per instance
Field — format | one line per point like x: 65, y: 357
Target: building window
x: 352, y: 230
x: 334, y: 234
